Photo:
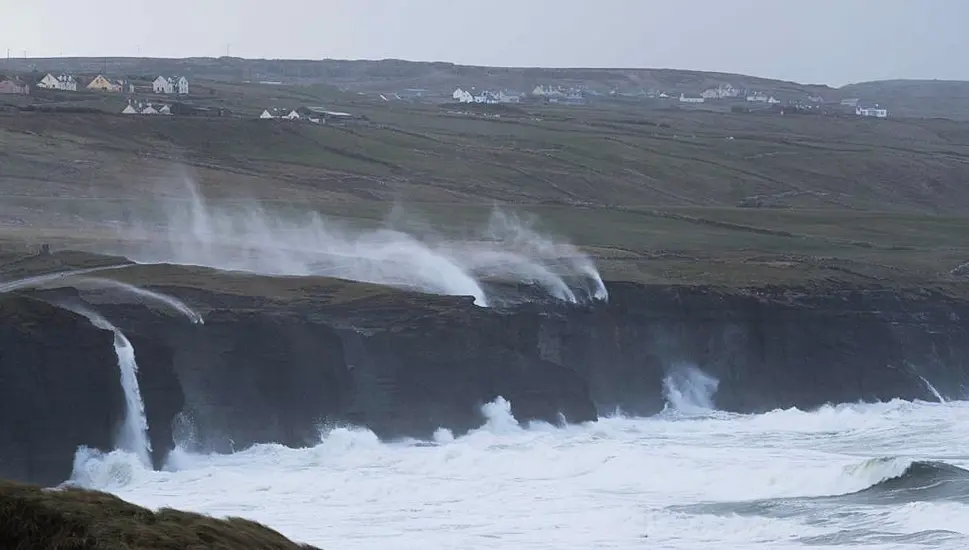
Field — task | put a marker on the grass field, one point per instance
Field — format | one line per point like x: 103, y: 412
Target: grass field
x: 655, y: 195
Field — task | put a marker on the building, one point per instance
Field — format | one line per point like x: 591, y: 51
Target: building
x: 872, y: 112
x: 170, y: 85
x: 462, y: 96
x: 162, y: 85
x: 101, y: 84
x: 64, y: 82
x: 691, y: 99
x: 13, y: 86
x: 505, y: 97
x: 332, y: 117
x: 723, y: 91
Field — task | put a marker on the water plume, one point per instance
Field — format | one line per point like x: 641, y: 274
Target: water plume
x: 75, y: 278
x: 37, y: 281
x: 689, y: 390
x: 165, y: 299
x: 252, y: 238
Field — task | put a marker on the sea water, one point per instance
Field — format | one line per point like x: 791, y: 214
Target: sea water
x: 875, y: 476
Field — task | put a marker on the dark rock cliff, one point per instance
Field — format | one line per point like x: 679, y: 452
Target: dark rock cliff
x: 59, y: 389
x: 277, y: 369
x: 769, y: 348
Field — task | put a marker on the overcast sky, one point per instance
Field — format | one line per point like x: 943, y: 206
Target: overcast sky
x: 811, y: 41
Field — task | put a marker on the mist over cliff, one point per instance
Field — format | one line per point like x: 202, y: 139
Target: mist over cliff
x: 403, y: 251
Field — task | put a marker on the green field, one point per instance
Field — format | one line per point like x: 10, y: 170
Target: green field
x: 661, y: 195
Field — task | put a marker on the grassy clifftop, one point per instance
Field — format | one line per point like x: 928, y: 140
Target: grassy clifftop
x: 75, y: 519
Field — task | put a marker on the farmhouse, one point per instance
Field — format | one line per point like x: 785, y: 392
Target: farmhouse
x: 101, y: 84
x: 170, y: 85
x: 64, y: 82
x: 13, y: 86
x: 872, y: 112
x: 691, y: 99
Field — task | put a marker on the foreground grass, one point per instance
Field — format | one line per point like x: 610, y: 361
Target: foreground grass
x: 33, y: 517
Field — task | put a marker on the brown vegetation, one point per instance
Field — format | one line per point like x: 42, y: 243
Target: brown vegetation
x: 75, y: 519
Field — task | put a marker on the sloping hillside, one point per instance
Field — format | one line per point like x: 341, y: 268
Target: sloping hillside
x: 915, y: 98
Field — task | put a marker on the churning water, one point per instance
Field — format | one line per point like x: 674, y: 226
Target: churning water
x: 876, y: 476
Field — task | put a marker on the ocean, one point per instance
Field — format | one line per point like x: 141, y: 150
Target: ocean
x: 874, y: 476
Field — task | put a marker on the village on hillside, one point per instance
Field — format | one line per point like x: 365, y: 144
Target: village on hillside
x: 743, y: 100
x: 723, y: 97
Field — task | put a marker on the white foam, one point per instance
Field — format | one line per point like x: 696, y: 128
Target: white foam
x: 606, y: 484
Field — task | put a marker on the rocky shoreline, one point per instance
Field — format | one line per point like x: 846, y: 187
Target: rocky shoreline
x: 277, y: 358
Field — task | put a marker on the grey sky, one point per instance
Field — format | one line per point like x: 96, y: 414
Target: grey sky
x: 812, y: 41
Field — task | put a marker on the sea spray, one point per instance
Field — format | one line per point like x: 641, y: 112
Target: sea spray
x: 165, y: 299
x: 689, y: 390
x: 47, y: 278
x: 133, y: 435
x: 76, y: 278
x: 256, y: 239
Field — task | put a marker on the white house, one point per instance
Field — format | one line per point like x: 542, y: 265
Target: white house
x: 504, y: 97
x: 162, y: 85
x: 757, y: 98
x: 165, y: 110
x: 720, y: 92
x: 170, y: 85
x: 690, y: 99
x: 63, y: 82
x: 486, y: 97
x: 293, y: 115
x: 266, y: 114
x: 181, y: 85
x: 149, y: 110
x: 129, y: 110
x: 462, y: 96
x: 871, y: 111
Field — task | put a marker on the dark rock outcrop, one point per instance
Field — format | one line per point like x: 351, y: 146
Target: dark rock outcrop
x: 59, y: 389
x: 276, y: 366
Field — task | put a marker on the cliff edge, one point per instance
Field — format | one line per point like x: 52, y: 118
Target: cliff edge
x: 278, y: 359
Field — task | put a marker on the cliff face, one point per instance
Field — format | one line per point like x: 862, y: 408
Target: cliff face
x: 770, y: 348
x: 277, y: 370
x: 59, y: 388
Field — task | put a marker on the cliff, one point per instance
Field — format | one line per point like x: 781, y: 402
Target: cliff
x: 277, y: 358
x: 59, y: 388
x: 32, y: 517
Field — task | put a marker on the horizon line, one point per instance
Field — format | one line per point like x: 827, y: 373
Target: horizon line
x: 455, y: 64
